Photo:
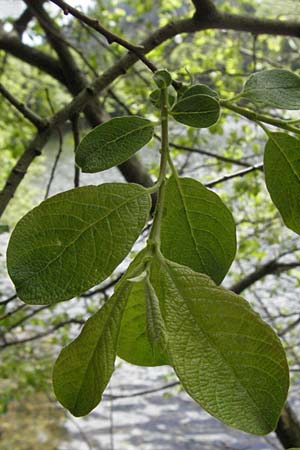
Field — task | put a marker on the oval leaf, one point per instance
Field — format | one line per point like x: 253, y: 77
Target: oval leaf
x: 137, y: 343
x: 74, y: 240
x: 226, y: 357
x: 84, y: 367
x: 200, y: 89
x: 113, y: 142
x: 197, y: 228
x: 282, y: 173
x: 198, y: 111
x: 278, y: 88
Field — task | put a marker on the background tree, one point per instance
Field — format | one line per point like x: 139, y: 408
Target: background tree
x: 59, y: 58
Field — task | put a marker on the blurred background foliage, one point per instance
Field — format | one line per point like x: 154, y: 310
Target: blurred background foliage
x: 220, y: 59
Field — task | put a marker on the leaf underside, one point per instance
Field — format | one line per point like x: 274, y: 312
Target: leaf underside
x: 75, y: 240
x: 226, y: 357
x: 197, y: 228
x: 282, y: 174
x: 85, y: 366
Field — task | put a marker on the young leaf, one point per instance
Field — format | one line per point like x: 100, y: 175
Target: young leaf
x: 282, y: 173
x: 197, y: 228
x: 113, y: 142
x: 200, y: 89
x: 198, y: 111
x: 137, y: 344
x: 74, y: 240
x: 84, y: 367
x: 277, y: 88
x: 226, y: 357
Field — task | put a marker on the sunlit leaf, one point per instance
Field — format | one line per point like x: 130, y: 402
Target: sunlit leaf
x: 197, y: 228
x: 84, y: 367
x: 74, y: 240
x: 141, y: 339
x: 226, y: 357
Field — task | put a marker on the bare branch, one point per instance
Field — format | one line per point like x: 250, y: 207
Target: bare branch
x: 111, y: 37
x: 240, y: 173
x: 26, y: 112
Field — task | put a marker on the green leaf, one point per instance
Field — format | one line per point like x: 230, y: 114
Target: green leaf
x: 84, y: 367
x: 141, y: 335
x: 162, y: 78
x: 282, y: 173
x: 113, y: 142
x: 156, y: 97
x: 277, y: 88
x: 200, y: 89
x: 74, y: 240
x: 198, y: 111
x: 226, y: 357
x: 197, y: 228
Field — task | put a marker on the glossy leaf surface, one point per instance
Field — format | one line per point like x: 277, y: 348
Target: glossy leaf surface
x: 74, y: 240
x: 113, y: 142
x: 226, y: 357
x: 197, y: 228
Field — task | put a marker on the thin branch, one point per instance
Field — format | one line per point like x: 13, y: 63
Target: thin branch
x: 140, y: 393
x: 13, y: 311
x: 26, y: 112
x: 111, y: 37
x: 272, y: 267
x: 42, y: 334
x: 238, y: 162
x: 8, y: 300
x: 76, y: 139
x: 56, y: 160
x: 240, y: 173
x: 223, y: 21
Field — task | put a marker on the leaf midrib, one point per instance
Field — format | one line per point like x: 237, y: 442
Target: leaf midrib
x: 110, y: 315
x: 125, y: 135
x: 285, y: 157
x: 211, y: 341
x: 79, y: 236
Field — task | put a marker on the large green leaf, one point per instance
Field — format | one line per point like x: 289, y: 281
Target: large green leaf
x: 278, y: 88
x: 282, y: 173
x: 113, y: 142
x: 226, y: 357
x: 198, y: 111
x: 84, y: 367
x: 197, y: 228
x: 74, y: 240
x: 137, y: 343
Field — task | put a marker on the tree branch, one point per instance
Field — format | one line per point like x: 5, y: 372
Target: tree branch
x: 270, y: 268
x: 26, y: 112
x: 222, y: 21
x: 111, y: 37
